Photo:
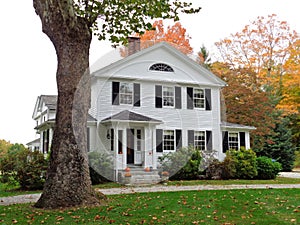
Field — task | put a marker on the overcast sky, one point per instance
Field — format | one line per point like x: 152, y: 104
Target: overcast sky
x: 28, y: 59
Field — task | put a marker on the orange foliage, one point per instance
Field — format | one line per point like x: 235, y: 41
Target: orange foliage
x: 242, y: 102
x: 290, y: 102
x: 175, y: 35
x: 262, y: 47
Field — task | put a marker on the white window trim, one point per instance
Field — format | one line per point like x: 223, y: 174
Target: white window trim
x: 174, y: 140
x: 204, y: 106
x: 132, y: 94
x: 195, y: 131
x: 170, y: 107
x: 238, y: 141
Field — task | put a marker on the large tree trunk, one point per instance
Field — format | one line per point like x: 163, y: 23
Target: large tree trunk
x: 68, y: 181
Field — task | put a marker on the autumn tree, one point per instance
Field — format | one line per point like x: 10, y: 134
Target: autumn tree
x: 290, y: 101
x: 70, y: 25
x: 4, y: 146
x: 263, y: 47
x: 243, y: 104
x: 175, y: 35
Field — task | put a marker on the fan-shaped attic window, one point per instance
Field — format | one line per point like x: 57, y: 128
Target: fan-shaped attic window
x: 161, y: 67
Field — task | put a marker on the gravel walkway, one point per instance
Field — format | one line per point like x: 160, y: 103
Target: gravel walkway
x: 160, y: 188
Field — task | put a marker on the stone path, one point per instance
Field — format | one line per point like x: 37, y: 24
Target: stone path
x: 160, y: 188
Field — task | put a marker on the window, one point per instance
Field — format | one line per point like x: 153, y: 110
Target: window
x: 126, y: 93
x: 233, y: 141
x: 168, y: 96
x: 199, y: 99
x: 168, y: 140
x: 161, y: 67
x: 199, y: 140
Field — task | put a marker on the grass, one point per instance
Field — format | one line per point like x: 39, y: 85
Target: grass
x: 268, y: 206
x: 278, y: 180
x: 12, y: 190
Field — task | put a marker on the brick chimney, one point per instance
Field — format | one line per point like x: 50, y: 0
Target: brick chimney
x: 134, y: 45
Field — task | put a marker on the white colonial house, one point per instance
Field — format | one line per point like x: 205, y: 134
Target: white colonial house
x: 152, y: 102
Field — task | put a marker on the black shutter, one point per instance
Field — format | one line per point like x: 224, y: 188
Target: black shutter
x: 115, y: 93
x: 209, y: 140
x: 112, y: 139
x: 177, y: 97
x: 191, y: 138
x: 120, y: 142
x: 159, y: 140
x: 207, y: 99
x: 137, y: 95
x: 225, y: 141
x: 88, y: 138
x: 189, y: 101
x: 158, y: 96
x: 178, y: 139
x: 242, y: 139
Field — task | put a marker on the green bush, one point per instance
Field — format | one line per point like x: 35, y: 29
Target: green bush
x: 240, y: 164
x: 24, y: 167
x: 184, y: 164
x: 101, y: 167
x: 267, y: 168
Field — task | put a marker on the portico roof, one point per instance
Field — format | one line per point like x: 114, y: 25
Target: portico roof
x: 128, y: 116
x: 227, y: 125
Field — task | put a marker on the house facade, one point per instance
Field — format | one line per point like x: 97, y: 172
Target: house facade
x: 152, y: 102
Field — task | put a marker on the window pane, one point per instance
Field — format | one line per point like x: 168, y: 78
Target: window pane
x: 199, y: 98
x: 168, y: 141
x: 168, y: 96
x: 126, y: 93
x: 233, y: 141
x: 199, y: 140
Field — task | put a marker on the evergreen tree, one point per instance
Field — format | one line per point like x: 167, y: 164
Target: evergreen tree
x: 279, y: 145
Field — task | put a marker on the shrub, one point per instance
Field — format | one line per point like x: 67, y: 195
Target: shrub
x: 24, y: 167
x: 267, y: 168
x: 215, y: 170
x: 184, y: 164
x: 101, y: 167
x: 240, y: 164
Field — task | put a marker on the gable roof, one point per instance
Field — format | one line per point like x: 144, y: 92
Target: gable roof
x: 129, y: 116
x: 50, y: 102
x: 173, y: 52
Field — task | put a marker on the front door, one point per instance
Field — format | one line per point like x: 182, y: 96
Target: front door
x: 134, y: 146
x: 130, y: 146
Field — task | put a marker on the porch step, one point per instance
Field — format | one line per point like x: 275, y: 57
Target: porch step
x: 139, y: 177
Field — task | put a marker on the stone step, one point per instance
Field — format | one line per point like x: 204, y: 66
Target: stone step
x: 139, y: 177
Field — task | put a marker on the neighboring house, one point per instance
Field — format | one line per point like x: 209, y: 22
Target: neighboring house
x: 152, y: 102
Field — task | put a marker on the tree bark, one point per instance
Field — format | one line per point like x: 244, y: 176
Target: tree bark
x: 68, y: 182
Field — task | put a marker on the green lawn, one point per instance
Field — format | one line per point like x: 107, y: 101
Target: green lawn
x: 10, y: 190
x: 278, y: 180
x: 268, y: 206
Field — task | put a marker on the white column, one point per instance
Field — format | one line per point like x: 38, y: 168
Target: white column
x: 154, y: 157
x: 247, y: 140
x: 124, y: 145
